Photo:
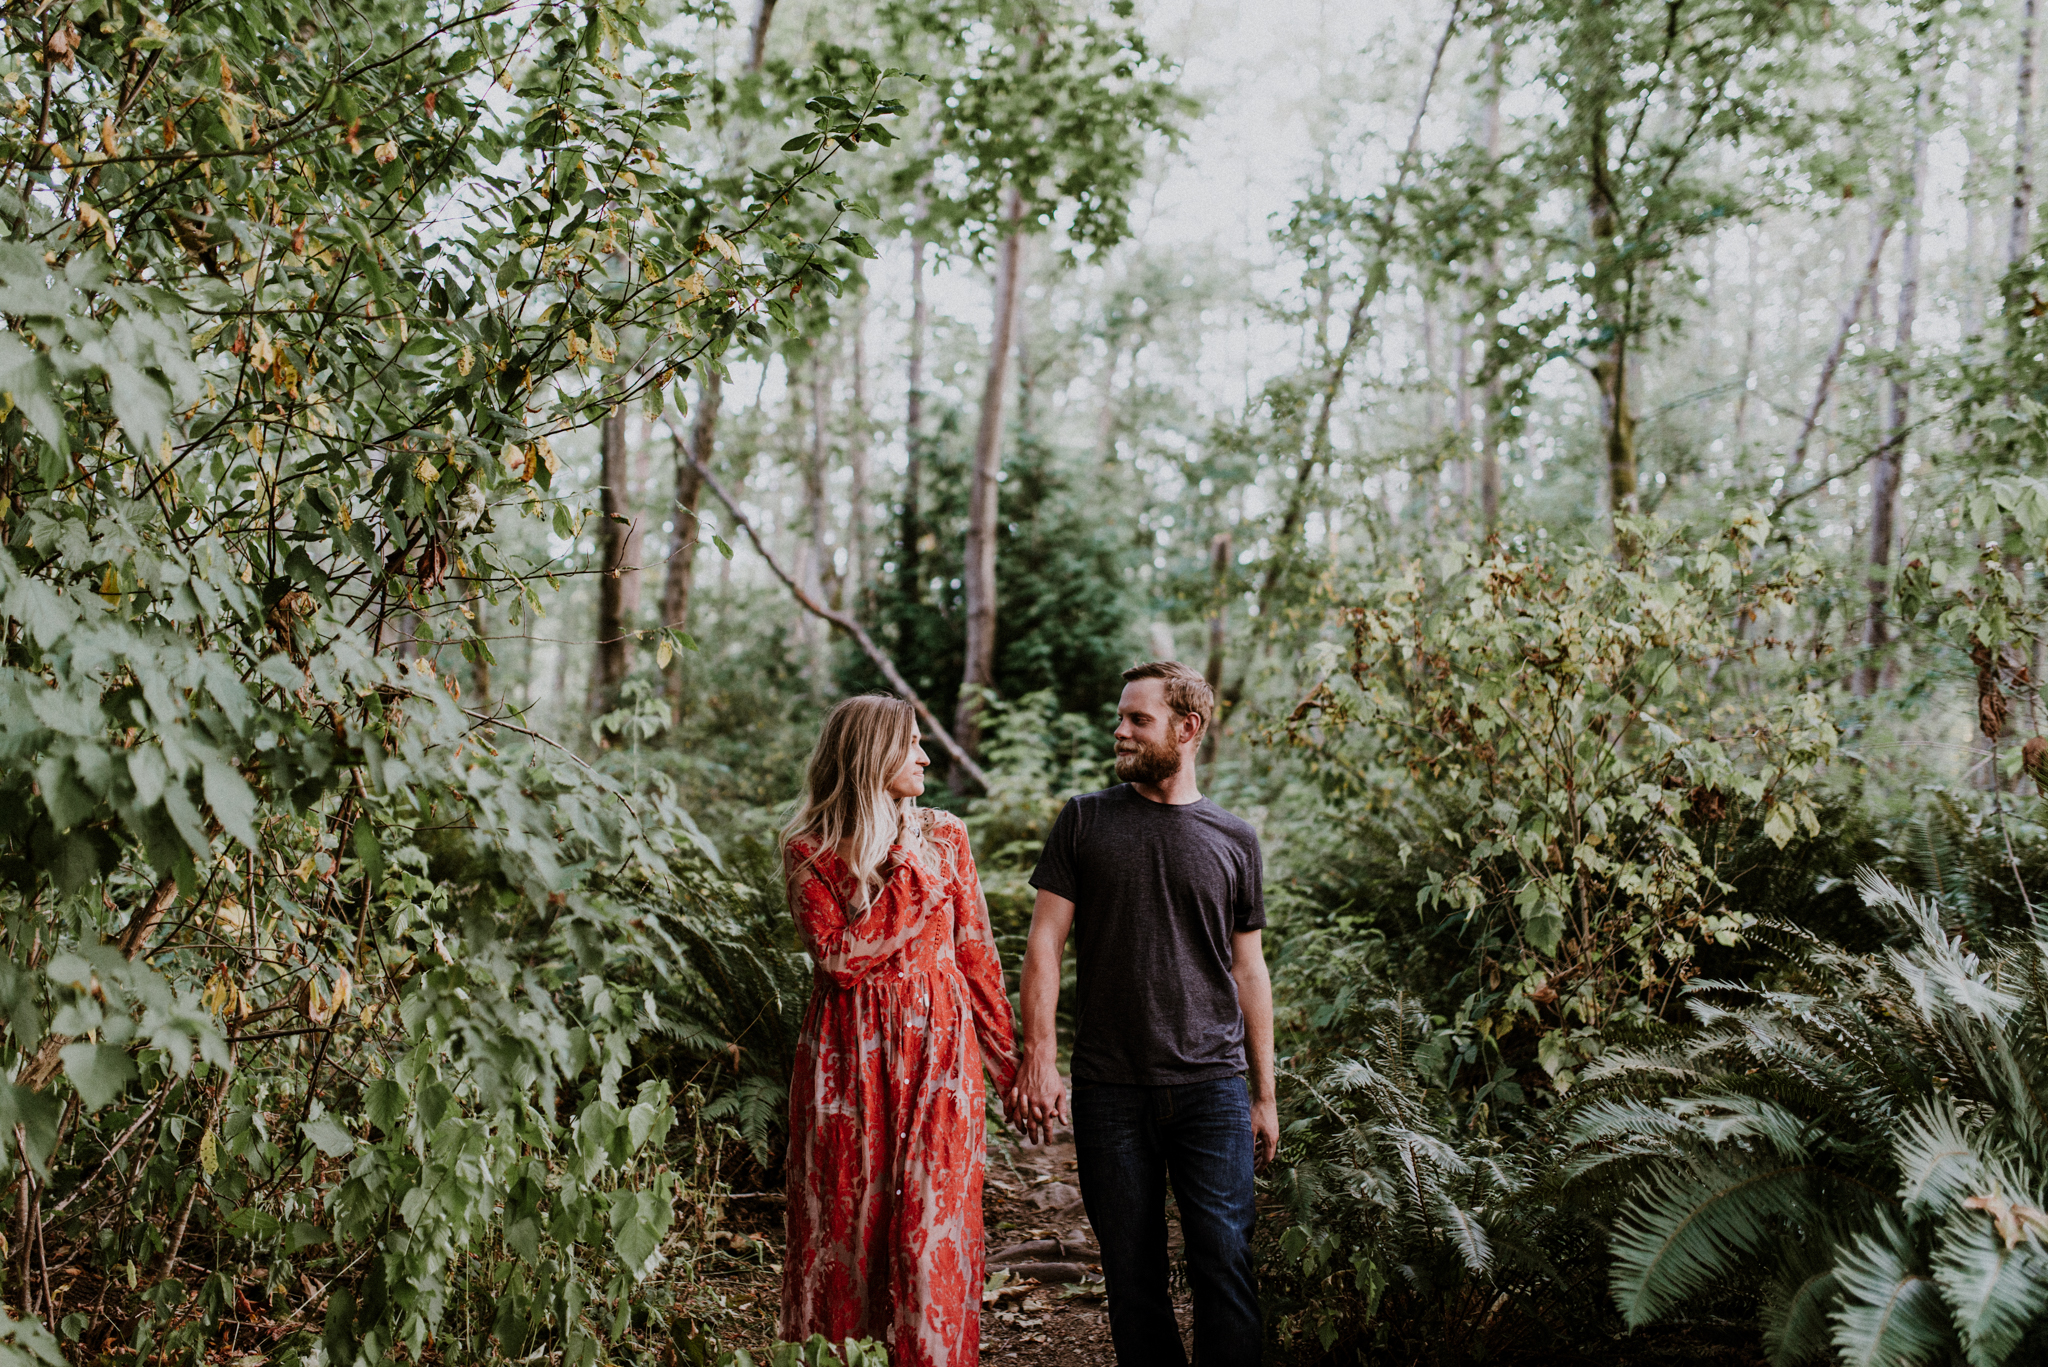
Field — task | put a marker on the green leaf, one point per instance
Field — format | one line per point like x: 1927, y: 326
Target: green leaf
x: 383, y: 1103
x: 328, y: 1137
x: 232, y: 801
x: 98, y: 1071
x: 370, y: 852
x: 719, y: 542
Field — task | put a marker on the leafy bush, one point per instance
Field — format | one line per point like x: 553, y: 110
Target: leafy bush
x: 1865, y: 1142
x: 321, y: 989
x: 1584, y: 779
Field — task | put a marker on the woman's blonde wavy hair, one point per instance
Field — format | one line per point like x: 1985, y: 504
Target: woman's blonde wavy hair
x: 846, y: 806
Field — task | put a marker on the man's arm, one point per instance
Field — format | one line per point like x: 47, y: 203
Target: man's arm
x: 1255, y: 1000
x: 1038, y: 1098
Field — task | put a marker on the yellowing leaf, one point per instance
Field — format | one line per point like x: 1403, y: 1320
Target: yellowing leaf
x: 663, y: 653
x: 425, y: 472
x: 722, y: 247
x: 209, y: 1154
x: 110, y: 586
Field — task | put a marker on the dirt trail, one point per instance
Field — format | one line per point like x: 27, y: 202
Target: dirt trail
x: 1046, y: 1306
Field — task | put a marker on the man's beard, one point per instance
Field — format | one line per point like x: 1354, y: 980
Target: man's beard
x: 1148, y: 763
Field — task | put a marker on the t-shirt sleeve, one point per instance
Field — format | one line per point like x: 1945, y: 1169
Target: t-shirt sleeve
x: 1250, y: 912
x: 1055, y: 871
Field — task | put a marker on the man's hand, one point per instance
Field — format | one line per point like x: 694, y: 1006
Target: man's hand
x: 1038, y: 1098
x: 1265, y: 1130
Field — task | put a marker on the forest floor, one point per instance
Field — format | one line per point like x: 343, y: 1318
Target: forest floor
x: 1044, y: 1304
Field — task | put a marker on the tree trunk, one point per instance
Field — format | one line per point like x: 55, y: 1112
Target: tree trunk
x: 913, y: 431
x: 1884, y: 469
x: 1496, y: 395
x: 633, y: 556
x: 1752, y: 232
x: 978, y: 573
x: 812, y: 568
x: 757, y: 52
x: 817, y: 509
x: 1219, y: 626
x: 855, y: 579
x: 480, y: 667
x: 2023, y: 142
x: 1880, y: 233
x: 682, y: 545
x: 1611, y: 365
x: 609, y: 667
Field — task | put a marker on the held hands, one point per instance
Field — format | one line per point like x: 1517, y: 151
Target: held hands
x: 1037, y: 1100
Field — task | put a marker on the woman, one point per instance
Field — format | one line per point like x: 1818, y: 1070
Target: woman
x: 907, y: 1003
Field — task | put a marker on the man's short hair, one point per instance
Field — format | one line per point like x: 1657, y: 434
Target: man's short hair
x: 1187, y: 692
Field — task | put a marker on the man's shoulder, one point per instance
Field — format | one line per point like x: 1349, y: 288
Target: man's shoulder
x: 1230, y: 823
x: 1087, y: 804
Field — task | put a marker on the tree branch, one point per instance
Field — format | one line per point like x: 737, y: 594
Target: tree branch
x: 847, y: 624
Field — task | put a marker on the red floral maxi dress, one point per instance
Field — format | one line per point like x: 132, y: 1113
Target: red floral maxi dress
x: 886, y: 1140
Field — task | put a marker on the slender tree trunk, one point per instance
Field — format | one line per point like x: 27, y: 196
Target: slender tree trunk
x: 1219, y: 626
x: 1752, y: 233
x: 1970, y: 308
x: 682, y: 546
x: 633, y: 556
x: 813, y: 644
x: 1880, y: 233
x: 611, y: 658
x: 757, y: 51
x: 2023, y: 142
x: 1496, y: 396
x: 1105, y: 416
x: 1461, y: 380
x: 1422, y: 493
x: 857, y: 467
x: 1884, y: 470
x: 480, y: 667
x: 1611, y: 366
x: 978, y: 573
x: 817, y: 510
x: 913, y: 430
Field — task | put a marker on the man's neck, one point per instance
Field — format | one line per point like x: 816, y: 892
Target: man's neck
x: 1177, y: 791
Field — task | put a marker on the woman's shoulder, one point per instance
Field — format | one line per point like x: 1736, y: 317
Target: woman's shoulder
x: 941, y: 823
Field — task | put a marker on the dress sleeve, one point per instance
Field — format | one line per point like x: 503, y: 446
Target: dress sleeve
x: 847, y: 948
x: 974, y: 945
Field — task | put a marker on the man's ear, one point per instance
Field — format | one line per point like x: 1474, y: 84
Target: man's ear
x: 1195, y: 725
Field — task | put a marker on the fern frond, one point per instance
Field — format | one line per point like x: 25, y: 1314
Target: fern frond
x: 1996, y: 1294
x: 1891, y: 1312
x: 1796, y: 1317
x: 1693, y: 1225
x: 1939, y: 1166
x: 1468, y: 1236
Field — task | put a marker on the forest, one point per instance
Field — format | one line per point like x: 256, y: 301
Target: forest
x: 452, y: 454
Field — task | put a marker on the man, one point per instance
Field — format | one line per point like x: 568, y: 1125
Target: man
x: 1163, y: 891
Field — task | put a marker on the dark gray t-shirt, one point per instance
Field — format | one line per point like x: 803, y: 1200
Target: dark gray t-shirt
x: 1158, y: 891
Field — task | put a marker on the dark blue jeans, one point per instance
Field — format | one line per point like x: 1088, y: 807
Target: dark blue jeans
x: 1129, y: 1141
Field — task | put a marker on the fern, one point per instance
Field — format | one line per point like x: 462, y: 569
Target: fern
x: 1865, y: 1151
